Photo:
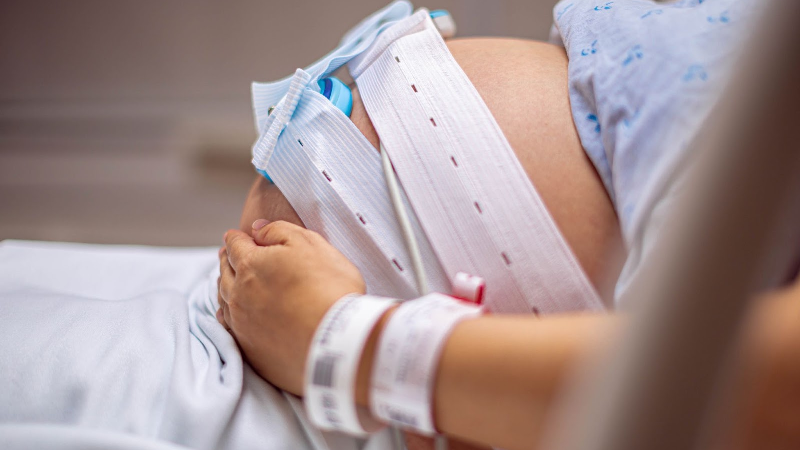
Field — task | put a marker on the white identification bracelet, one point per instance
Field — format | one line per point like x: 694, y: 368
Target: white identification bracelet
x: 333, y: 361
x: 408, y: 354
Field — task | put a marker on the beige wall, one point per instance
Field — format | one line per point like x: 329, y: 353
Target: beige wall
x: 129, y: 121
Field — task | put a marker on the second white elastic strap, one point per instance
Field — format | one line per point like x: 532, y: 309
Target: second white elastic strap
x: 333, y: 361
x: 408, y: 354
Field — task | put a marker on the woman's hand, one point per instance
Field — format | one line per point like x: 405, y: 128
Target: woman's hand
x: 274, y: 289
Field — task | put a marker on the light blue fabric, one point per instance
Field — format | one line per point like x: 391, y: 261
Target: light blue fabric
x: 283, y: 95
x: 353, y: 43
x: 643, y: 77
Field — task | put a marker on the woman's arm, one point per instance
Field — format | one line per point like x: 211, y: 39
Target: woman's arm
x: 498, y: 375
x: 512, y: 376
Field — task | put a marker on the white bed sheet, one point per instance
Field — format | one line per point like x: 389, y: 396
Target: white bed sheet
x: 118, y: 347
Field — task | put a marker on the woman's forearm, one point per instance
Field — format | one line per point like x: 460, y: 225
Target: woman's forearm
x: 499, y: 375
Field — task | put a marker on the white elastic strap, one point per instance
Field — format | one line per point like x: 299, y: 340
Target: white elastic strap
x: 332, y: 177
x: 449, y: 163
x: 408, y: 353
x: 333, y: 361
x: 284, y: 110
x: 476, y: 205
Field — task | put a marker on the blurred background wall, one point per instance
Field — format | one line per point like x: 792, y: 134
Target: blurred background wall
x: 129, y: 121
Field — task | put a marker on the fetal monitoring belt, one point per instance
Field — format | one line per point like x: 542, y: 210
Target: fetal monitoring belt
x: 475, y: 210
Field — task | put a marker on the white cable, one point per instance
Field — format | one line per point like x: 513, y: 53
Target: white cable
x: 416, y: 262
x: 405, y: 223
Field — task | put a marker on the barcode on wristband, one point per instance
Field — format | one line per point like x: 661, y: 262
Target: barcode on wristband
x: 402, y: 418
x: 323, y: 370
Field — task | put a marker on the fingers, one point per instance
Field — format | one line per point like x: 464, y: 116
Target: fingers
x: 226, y: 279
x: 224, y: 283
x: 225, y: 313
x: 238, y: 245
x: 220, y: 301
x: 275, y: 233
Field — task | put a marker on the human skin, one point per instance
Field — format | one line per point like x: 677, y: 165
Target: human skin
x: 524, y: 84
x: 498, y: 375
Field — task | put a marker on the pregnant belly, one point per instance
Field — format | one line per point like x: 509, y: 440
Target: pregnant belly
x: 524, y: 84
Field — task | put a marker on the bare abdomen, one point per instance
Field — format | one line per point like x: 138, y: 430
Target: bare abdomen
x: 524, y: 84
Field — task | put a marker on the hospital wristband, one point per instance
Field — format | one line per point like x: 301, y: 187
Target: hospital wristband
x: 333, y: 361
x: 401, y: 388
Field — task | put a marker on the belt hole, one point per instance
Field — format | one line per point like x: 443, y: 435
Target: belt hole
x: 433, y: 121
x: 478, y: 207
x: 361, y: 218
x: 414, y: 88
x: 397, y: 264
x: 453, y: 158
x: 506, y: 258
x: 326, y: 175
x: 300, y: 142
x: 397, y: 59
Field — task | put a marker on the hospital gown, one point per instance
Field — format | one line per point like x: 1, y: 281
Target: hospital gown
x: 643, y: 78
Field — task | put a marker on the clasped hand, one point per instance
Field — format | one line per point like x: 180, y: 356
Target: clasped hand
x: 275, y: 286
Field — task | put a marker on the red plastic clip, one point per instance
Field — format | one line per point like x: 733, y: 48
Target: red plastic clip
x: 469, y: 288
